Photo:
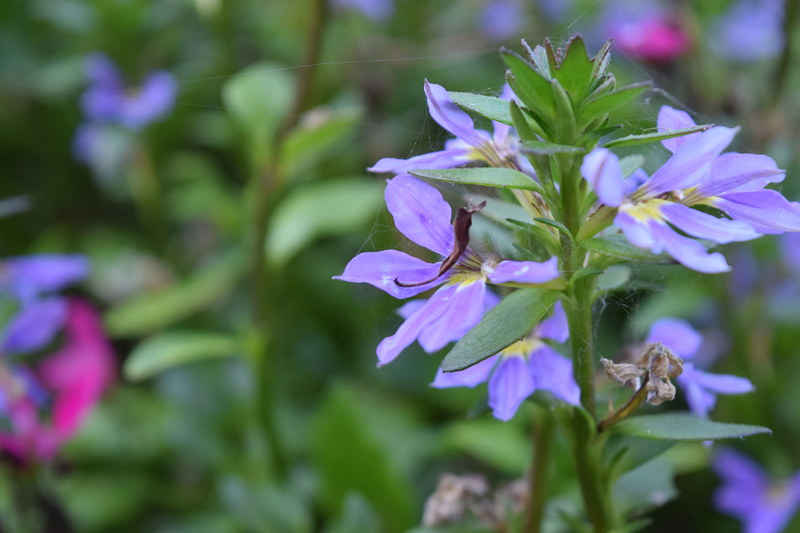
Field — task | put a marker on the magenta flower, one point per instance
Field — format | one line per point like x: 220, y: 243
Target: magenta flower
x: 423, y: 216
x: 644, y: 31
x: 108, y: 100
x: 470, y: 145
x: 748, y: 494
x: 74, y: 377
x: 696, y: 174
x: 750, y: 30
x: 701, y: 387
x: 516, y: 372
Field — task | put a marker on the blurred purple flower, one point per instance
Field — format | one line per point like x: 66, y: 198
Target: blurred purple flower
x: 502, y: 19
x: 749, y: 31
x: 643, y: 30
x: 748, y: 494
x: 468, y: 146
x: 790, y: 250
x: 696, y: 174
x: 379, y: 10
x: 701, y: 387
x: 422, y: 215
x: 107, y: 100
x: 516, y: 372
x: 556, y: 10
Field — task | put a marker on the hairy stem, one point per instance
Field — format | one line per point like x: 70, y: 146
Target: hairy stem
x: 581, y: 334
x: 543, y: 434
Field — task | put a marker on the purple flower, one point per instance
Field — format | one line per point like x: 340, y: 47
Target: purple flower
x: 701, y: 387
x: 748, y: 494
x: 108, y: 101
x: 516, y: 372
x: 502, y: 19
x: 470, y: 144
x: 749, y: 31
x: 696, y: 174
x: 379, y: 10
x: 29, y: 280
x: 423, y: 216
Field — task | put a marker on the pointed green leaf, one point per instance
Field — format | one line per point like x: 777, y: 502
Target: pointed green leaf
x: 534, y: 84
x: 601, y: 61
x: 575, y: 71
x: 556, y: 224
x: 565, y: 123
x: 618, y: 245
x: 597, y: 107
x: 613, y: 278
x: 526, y: 129
x: 488, y: 177
x: 490, y: 107
x: 631, y: 164
x: 166, y: 350
x: 538, y: 56
x: 631, y: 140
x: 543, y: 148
x: 683, y: 426
x: 509, y: 321
x: 596, y: 134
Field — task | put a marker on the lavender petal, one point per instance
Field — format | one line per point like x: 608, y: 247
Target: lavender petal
x: 525, y: 271
x: 420, y: 213
x: 509, y: 385
x: 380, y: 269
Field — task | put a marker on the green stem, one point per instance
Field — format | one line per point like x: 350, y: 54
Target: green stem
x: 626, y: 410
x: 543, y: 435
x: 581, y: 334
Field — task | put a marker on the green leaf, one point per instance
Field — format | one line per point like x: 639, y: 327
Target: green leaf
x: 585, y: 272
x: 608, y: 102
x: 624, y: 453
x: 149, y: 312
x: 546, y: 239
x: 600, y: 62
x: 633, y: 527
x: 511, y: 320
x: 682, y: 426
x: 488, y: 177
x: 644, y: 488
x: 500, y: 211
x: 575, y: 71
x: 556, y: 224
x: 543, y: 148
x: 307, y: 143
x: 538, y: 56
x: 259, y: 95
x: 614, y: 277
x: 596, y: 134
x: 566, y: 127
x: 630, y: 164
x: 166, y: 350
x: 490, y: 107
x: 494, y: 443
x: 631, y: 140
x: 536, y: 91
x: 327, y: 208
x: 617, y: 245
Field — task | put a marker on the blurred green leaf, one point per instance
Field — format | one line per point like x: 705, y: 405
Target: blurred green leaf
x: 259, y: 95
x: 619, y: 246
x: 494, y: 443
x: 613, y: 278
x: 632, y: 140
x: 490, y: 107
x: 322, y: 209
x: 317, y: 135
x: 631, y: 164
x: 646, y: 487
x: 487, y: 177
x: 265, y: 507
x: 509, y: 321
x: 349, y: 458
x: 358, y: 516
x: 543, y: 148
x: 682, y: 426
x: 624, y: 453
x: 585, y: 272
x: 147, y: 313
x: 166, y: 350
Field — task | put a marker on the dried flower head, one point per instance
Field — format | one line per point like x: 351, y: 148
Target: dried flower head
x: 454, y: 496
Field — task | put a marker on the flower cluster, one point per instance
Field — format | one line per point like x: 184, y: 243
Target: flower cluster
x: 67, y: 383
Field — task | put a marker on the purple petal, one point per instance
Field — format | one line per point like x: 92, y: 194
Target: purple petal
x: 634, y: 181
x: 750, y: 30
x: 380, y: 269
x: 451, y: 117
x: 601, y: 169
x: 502, y: 19
x: 676, y: 334
x: 773, y: 516
x: 705, y: 226
x: 86, y: 142
x: 744, y: 483
x: 509, y: 385
x: 766, y: 210
x: 688, y: 252
x: 463, y: 310
x: 525, y: 271
x: 102, y: 71
x: 103, y: 103
x: 719, y: 383
x: 469, y: 377
x: 154, y: 101
x: 700, y: 401
x: 555, y: 327
x: 41, y: 273
x: 691, y: 162
x: 411, y: 307
x: 420, y: 213
x: 35, y: 325
x: 740, y: 173
x: 390, y: 347
x: 672, y: 119
x: 637, y: 231
x: 790, y: 250
x: 448, y: 158
x: 553, y: 372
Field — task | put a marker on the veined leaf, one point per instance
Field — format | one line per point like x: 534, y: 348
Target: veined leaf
x: 618, y: 245
x: 509, y: 321
x: 608, y: 102
x: 631, y: 140
x: 543, y: 148
x: 166, y: 350
x: 488, y: 177
x: 683, y: 426
x: 490, y: 107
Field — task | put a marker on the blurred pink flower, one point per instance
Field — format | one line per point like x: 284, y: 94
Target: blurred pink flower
x: 654, y: 38
x: 75, y: 376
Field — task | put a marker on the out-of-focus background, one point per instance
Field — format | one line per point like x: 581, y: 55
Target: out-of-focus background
x: 143, y: 135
